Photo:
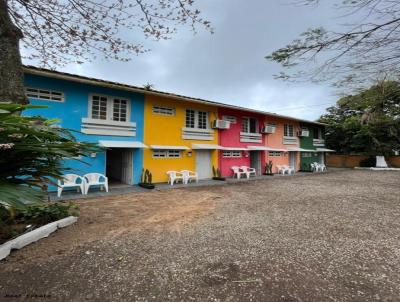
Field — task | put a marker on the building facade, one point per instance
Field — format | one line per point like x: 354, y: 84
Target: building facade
x: 179, y: 136
x: 112, y: 118
x: 242, y: 143
x: 312, y: 139
x: 147, y: 129
x: 282, y: 142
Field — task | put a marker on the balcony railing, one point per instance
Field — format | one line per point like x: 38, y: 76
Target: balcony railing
x: 106, y: 127
x: 318, y: 142
x: 289, y: 140
x: 198, y: 134
x: 246, y: 137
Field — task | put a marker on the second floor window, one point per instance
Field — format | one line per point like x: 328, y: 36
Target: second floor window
x: 109, y: 108
x: 317, y: 133
x: 249, y: 125
x: 288, y: 130
x: 196, y: 119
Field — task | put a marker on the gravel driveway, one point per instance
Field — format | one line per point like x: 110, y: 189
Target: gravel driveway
x: 330, y: 237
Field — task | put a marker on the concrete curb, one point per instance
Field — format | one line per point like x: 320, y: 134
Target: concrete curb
x: 35, y: 235
x: 377, y: 169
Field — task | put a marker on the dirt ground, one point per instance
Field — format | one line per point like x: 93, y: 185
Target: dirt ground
x: 330, y: 237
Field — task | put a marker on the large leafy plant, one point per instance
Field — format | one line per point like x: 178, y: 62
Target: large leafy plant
x: 31, y: 154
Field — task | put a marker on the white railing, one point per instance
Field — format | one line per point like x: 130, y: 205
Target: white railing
x: 198, y: 134
x: 289, y: 140
x: 105, y: 127
x: 246, y: 137
x: 318, y: 142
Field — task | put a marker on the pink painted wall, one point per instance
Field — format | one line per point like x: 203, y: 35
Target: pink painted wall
x: 275, y: 140
x: 231, y: 138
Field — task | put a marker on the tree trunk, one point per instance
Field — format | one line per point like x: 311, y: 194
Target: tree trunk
x: 11, y: 73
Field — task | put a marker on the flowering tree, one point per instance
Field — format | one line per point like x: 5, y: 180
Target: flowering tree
x: 56, y: 32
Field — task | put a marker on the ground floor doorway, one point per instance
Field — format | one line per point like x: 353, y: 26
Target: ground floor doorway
x: 203, y: 164
x: 293, y: 159
x: 322, y: 158
x: 255, y: 161
x: 119, y: 166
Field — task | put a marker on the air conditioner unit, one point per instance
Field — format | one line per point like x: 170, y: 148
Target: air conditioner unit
x: 303, y: 133
x: 221, y: 124
x: 269, y: 128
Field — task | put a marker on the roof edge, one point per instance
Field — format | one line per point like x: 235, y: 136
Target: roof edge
x: 30, y: 69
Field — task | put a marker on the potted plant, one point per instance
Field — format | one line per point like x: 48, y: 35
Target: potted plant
x: 268, y: 168
x: 217, y: 174
x: 146, y: 180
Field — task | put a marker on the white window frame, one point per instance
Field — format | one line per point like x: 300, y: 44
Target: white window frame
x: 247, y: 118
x: 284, y: 130
x: 110, y: 108
x: 162, y: 153
x: 231, y: 154
x: 319, y: 132
x: 163, y: 110
x: 42, y: 91
x: 230, y: 118
x: 196, y: 119
x: 275, y: 153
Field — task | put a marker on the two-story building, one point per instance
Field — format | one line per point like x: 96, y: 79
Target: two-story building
x: 149, y: 129
x: 180, y: 136
x: 312, y: 140
x: 106, y: 113
x: 242, y: 143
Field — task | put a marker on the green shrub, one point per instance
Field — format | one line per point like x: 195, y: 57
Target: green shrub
x: 368, y: 162
x: 41, y: 214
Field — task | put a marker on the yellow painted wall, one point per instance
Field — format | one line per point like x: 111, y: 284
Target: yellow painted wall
x: 167, y: 130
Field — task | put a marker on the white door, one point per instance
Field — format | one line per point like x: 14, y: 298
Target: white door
x: 203, y: 164
x: 255, y: 161
x: 321, y: 158
x: 292, y: 159
x: 127, y: 166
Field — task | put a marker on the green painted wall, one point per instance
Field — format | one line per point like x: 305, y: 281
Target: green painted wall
x: 306, y: 161
x: 307, y: 143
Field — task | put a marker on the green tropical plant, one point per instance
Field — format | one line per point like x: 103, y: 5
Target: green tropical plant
x: 216, y: 172
x: 31, y: 154
x: 41, y: 214
x: 268, y: 167
x: 146, y: 177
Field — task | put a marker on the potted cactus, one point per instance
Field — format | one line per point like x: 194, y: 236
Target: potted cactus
x: 268, y: 168
x: 217, y: 174
x: 146, y: 180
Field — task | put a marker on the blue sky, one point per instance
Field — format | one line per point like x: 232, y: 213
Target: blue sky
x: 229, y: 66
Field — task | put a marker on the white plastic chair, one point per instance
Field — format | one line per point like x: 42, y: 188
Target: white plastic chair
x: 237, y: 172
x: 282, y: 169
x: 313, y: 167
x: 322, y: 167
x: 290, y: 169
x: 96, y: 179
x: 249, y: 171
x: 175, y: 176
x: 189, y: 175
x: 317, y: 167
x: 70, y: 181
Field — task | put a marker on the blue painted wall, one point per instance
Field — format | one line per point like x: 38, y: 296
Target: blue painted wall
x: 75, y: 107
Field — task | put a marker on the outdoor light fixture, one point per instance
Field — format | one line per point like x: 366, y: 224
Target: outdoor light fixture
x: 94, y: 154
x: 189, y: 153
